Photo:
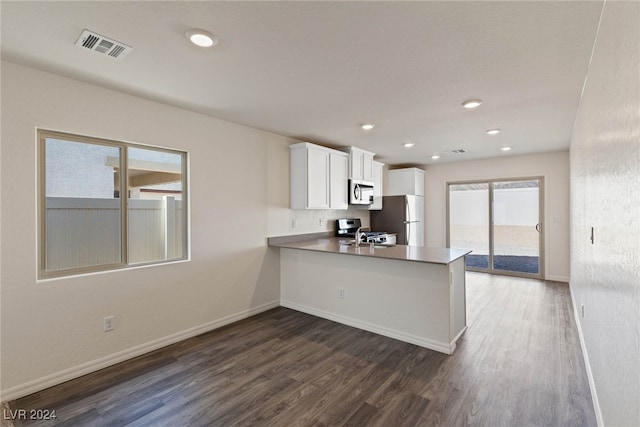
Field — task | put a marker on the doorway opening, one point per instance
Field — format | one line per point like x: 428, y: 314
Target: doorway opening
x: 501, y: 221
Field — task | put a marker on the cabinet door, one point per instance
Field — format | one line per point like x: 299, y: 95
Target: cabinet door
x: 338, y: 181
x: 317, y: 179
x: 356, y: 158
x: 367, y: 166
x: 377, y: 186
x: 401, y: 181
x: 406, y: 181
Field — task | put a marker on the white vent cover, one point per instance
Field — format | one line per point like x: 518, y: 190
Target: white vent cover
x: 104, y: 45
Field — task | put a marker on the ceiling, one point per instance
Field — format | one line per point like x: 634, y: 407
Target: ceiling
x: 315, y: 71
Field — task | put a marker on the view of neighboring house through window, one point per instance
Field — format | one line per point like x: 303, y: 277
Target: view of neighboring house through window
x: 88, y: 223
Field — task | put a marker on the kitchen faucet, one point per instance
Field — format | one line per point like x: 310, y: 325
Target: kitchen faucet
x: 359, y: 235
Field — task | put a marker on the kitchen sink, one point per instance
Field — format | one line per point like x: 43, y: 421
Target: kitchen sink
x: 366, y: 246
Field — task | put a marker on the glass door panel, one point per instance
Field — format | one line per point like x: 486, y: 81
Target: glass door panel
x: 516, y: 226
x: 500, y: 221
x: 469, y: 222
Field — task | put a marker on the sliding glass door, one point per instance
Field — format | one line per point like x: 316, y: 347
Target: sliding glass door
x: 516, y: 226
x: 500, y: 221
x: 469, y: 221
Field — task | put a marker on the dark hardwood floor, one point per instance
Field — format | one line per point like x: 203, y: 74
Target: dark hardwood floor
x: 518, y: 364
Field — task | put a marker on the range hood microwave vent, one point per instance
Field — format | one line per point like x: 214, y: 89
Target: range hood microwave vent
x: 103, y: 45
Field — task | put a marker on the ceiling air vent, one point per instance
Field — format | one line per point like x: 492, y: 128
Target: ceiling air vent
x: 106, y: 46
x: 458, y: 151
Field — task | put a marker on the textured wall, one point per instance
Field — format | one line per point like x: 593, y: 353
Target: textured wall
x: 605, y: 194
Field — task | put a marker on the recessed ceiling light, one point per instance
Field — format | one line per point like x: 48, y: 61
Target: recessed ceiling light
x: 435, y: 157
x: 472, y: 103
x: 493, y: 131
x: 506, y: 148
x: 408, y: 144
x: 367, y: 126
x: 201, y: 38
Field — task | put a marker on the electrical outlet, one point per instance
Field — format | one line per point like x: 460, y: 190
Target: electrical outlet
x: 293, y: 223
x: 109, y: 323
x: 341, y: 293
x: 321, y: 222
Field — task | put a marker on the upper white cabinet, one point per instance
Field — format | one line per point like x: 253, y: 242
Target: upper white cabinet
x: 406, y: 181
x: 360, y: 164
x: 378, y: 169
x: 318, y: 177
x: 338, y: 180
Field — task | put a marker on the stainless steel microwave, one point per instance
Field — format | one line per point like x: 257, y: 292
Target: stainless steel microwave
x: 360, y: 192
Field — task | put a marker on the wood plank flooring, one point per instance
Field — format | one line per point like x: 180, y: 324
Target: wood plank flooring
x: 518, y: 364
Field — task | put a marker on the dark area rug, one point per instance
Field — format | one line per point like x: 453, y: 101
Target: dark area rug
x: 520, y: 264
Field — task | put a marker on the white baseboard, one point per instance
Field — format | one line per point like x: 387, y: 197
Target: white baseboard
x: 452, y: 344
x: 585, y: 355
x: 442, y: 347
x: 95, y: 365
x: 564, y: 279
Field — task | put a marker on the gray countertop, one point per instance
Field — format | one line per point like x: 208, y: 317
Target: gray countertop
x: 399, y: 252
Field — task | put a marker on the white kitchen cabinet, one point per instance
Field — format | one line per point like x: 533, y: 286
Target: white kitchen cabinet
x: 318, y: 177
x: 367, y: 166
x: 338, y: 180
x: 406, y: 181
x: 378, y: 169
x: 360, y: 164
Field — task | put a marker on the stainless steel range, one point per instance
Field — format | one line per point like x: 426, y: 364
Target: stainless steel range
x: 348, y: 227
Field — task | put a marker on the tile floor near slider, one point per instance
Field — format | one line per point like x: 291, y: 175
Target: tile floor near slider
x: 519, y: 363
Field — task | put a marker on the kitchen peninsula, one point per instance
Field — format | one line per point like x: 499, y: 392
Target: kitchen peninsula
x: 410, y: 293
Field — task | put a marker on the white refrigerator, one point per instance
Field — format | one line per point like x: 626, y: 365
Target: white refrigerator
x: 403, y: 215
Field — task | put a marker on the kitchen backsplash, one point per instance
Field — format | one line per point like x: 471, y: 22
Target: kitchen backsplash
x: 314, y: 221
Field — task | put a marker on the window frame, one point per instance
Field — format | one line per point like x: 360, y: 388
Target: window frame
x: 490, y: 226
x: 41, y: 136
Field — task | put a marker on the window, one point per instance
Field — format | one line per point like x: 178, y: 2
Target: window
x: 106, y: 205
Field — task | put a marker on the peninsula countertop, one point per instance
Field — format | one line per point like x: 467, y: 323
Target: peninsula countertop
x: 337, y: 245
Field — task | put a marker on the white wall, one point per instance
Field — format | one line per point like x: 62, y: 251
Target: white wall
x: 52, y: 330
x: 555, y: 169
x: 605, y: 194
